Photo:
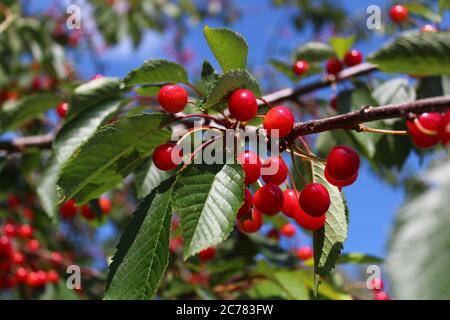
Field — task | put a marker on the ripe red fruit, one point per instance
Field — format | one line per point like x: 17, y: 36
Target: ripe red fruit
x: 279, y: 118
x: 444, y: 128
x: 251, y: 164
x: 340, y: 183
x: 87, y: 212
x: 333, y: 103
x: 167, y: 156
x: 52, y: 276
x: 207, y: 254
x: 288, y: 230
x: 10, y: 230
x: 273, y: 234
x: 12, y: 201
x: 334, y: 66
x: 291, y: 206
x: 25, y: 231
x: 342, y: 163
x: 304, y: 253
x: 21, y: 275
x: 428, y: 28
x: 381, y: 296
x: 315, y: 199
x: 18, y: 258
x: 431, y: 123
x: 6, y: 249
x: 309, y: 222
x: 280, y: 175
x: 61, y: 109
x: 242, y: 105
x: 36, y: 278
x: 33, y: 245
x: 376, y: 285
x: 55, y: 258
x: 268, y: 199
x: 28, y: 213
x: 353, y: 58
x: 105, y: 205
x: 247, y: 205
x: 250, y: 223
x: 36, y: 84
x: 173, y: 98
x: 68, y: 210
x: 300, y: 67
x: 398, y: 13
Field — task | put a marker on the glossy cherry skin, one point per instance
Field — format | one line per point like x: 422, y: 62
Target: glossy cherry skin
x: 268, y: 199
x: 251, y: 164
x: 342, y: 162
x: 444, y: 128
x: 242, y: 105
x: 279, y: 118
x: 309, y: 222
x: 10, y: 230
x: 105, y: 205
x: 33, y: 245
x: 68, y: 210
x: 315, y: 199
x: 61, y: 109
x: 288, y: 230
x: 247, y: 205
x: 36, y: 278
x: 173, y: 98
x: 398, y: 13
x: 429, y: 121
x: 18, y: 258
x: 167, y: 156
x: 207, y: 254
x: 334, y: 66
x: 250, y: 223
x: 353, y: 58
x: 280, y: 175
x: 304, y: 253
x: 291, y: 206
x: 52, y: 276
x: 87, y: 212
x: 340, y: 182
x: 25, y: 231
x: 300, y: 67
x: 428, y: 28
x: 21, y: 275
x: 56, y: 258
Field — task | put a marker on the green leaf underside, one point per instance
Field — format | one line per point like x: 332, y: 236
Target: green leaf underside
x: 229, y: 47
x: 80, y: 128
x: 15, y: 113
x: 147, y: 177
x: 110, y: 155
x: 424, y: 53
x: 229, y: 82
x: 155, y: 72
x: 314, y: 52
x: 207, y: 199
x: 142, y: 254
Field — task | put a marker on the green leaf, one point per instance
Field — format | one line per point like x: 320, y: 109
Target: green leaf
x: 13, y: 114
x: 147, y: 177
x: 229, y: 47
x: 142, y: 254
x: 92, y: 93
x: 113, y: 152
x: 358, y: 258
x: 418, y: 254
x: 292, y: 284
x: 207, y: 199
x: 314, y: 52
x: 444, y: 5
x: 341, y: 45
x: 422, y: 10
x: 46, y: 188
x: 418, y: 53
x: 430, y: 87
x: 79, y: 129
x: 230, y: 81
x: 147, y: 90
x: 209, y: 77
x: 155, y: 72
x: 394, y: 91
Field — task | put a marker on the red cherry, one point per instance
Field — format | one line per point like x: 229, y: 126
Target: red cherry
x: 52, y: 276
x: 56, y: 258
x: 291, y: 206
x: 268, y: 199
x: 61, y: 109
x: 288, y: 230
x: 279, y: 118
x: 300, y: 67
x: 281, y: 170
x: 25, y: 231
x: 242, y: 105
x: 247, y: 205
x: 251, y: 164
x: 353, y: 58
x: 36, y: 84
x: 6, y: 249
x: 5, y: 266
x: 18, y: 258
x: 398, y: 13
x: 428, y: 28
x: 28, y: 213
x: 340, y: 183
x: 250, y: 223
x: 376, y: 285
x: 173, y: 98
x: 167, y: 156
x: 207, y: 254
x: 333, y: 103
x: 33, y: 245
x: 431, y: 123
x: 304, y: 253
x: 334, y: 66
x: 381, y: 296
x: 342, y: 162
x: 36, y: 278
x: 10, y: 230
x: 315, y: 199
x: 309, y: 222
x: 105, y: 205
x: 87, y: 212
x: 444, y: 128
x: 12, y: 201
x: 21, y: 275
x: 273, y: 234
x: 68, y: 210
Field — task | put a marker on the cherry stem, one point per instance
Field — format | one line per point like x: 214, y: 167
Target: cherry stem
x: 310, y: 157
x: 266, y: 102
x: 199, y: 148
x: 305, y: 144
x: 201, y: 115
x: 363, y: 128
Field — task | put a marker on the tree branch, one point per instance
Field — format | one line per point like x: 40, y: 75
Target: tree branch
x: 21, y: 143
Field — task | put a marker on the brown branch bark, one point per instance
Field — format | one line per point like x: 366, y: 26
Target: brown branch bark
x: 19, y: 144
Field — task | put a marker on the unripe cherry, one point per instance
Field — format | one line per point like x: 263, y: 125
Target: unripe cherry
x: 315, y: 199
x: 242, y: 105
x: 398, y: 13
x: 280, y: 175
x: 250, y: 223
x: 268, y: 199
x: 167, y: 156
x: 334, y: 66
x: 353, y: 58
x: 247, y: 205
x: 279, y: 118
x: 68, y: 210
x: 105, y: 205
x: 25, y: 231
x: 304, y: 253
x: 342, y: 163
x: 309, y: 222
x: 430, y: 122
x: 87, y: 212
x: 251, y: 164
x: 61, y: 109
x: 173, y: 98
x: 300, y: 67
x: 291, y: 206
x: 444, y: 128
x: 288, y: 230
x: 207, y: 254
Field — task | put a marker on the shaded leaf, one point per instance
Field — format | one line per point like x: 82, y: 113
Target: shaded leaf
x: 155, y: 72
x: 46, y: 188
x: 147, y: 177
x: 314, y: 52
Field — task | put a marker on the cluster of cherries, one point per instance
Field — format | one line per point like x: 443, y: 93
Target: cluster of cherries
x: 428, y: 129
x: 69, y: 210
x: 400, y: 14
